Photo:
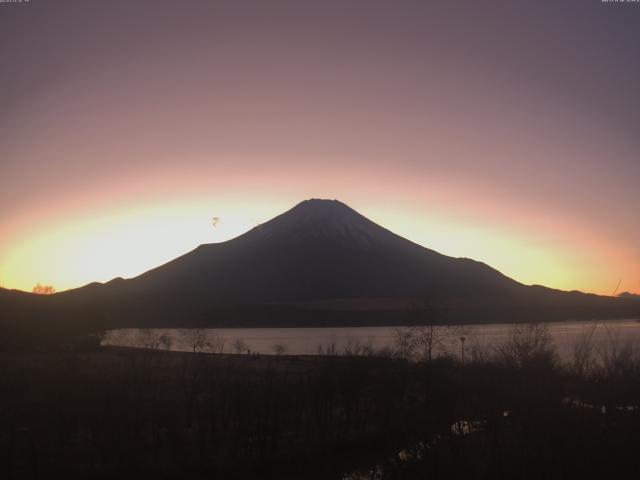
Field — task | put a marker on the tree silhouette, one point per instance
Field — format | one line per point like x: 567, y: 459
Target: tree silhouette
x: 239, y: 345
x: 43, y: 289
x: 196, y: 338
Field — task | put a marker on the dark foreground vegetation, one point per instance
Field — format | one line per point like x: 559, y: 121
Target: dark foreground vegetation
x: 511, y: 413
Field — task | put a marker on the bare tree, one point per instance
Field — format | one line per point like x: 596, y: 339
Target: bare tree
x: 196, y: 339
x: 368, y: 348
x: 239, y: 346
x: 149, y: 339
x: 329, y: 349
x: 616, y: 354
x: 166, y: 341
x: 279, y: 349
x: 405, y: 342
x: 433, y: 330
x: 43, y: 289
x: 216, y: 342
x: 479, y: 352
x: 355, y: 347
x: 427, y: 339
x: 528, y: 343
x: 583, y: 359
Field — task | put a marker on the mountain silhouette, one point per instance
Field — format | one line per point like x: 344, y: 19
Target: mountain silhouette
x: 322, y: 263
x: 318, y: 250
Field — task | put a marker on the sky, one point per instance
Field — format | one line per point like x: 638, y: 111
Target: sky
x: 503, y: 131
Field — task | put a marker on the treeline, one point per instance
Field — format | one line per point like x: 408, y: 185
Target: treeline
x: 513, y: 411
x: 517, y: 412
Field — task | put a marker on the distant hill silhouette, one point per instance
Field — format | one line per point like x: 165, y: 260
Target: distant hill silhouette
x: 629, y: 295
x: 320, y: 263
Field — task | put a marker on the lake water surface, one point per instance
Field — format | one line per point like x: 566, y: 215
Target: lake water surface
x: 311, y: 341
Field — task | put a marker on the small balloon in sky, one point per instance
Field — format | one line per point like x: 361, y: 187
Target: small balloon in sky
x: 215, y: 221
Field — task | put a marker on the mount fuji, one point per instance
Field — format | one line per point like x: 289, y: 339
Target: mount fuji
x: 322, y: 263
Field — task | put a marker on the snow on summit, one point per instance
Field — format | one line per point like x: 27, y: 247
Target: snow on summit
x: 327, y: 219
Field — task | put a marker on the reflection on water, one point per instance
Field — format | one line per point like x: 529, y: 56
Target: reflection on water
x: 363, y: 340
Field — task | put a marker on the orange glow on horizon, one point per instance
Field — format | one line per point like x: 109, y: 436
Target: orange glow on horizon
x: 108, y: 240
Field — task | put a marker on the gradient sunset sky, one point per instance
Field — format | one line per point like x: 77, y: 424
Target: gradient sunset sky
x: 503, y: 131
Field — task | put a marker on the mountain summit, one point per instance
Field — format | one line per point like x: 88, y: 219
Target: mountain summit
x: 331, y: 220
x: 322, y: 263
